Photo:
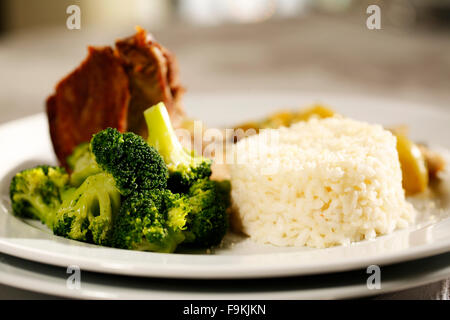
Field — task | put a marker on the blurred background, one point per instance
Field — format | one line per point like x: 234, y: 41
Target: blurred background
x: 238, y: 45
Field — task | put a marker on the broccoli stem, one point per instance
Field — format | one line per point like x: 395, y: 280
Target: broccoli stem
x: 162, y: 137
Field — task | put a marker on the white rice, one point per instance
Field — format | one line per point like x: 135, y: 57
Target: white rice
x: 323, y: 183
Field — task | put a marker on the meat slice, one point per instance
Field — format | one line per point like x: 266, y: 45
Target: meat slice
x: 153, y: 75
x: 112, y: 89
x: 91, y: 98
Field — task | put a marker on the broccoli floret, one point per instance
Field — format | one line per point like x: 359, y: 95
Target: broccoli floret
x: 151, y: 221
x: 134, y: 165
x: 88, y: 212
x: 37, y: 192
x: 184, y: 167
x: 207, y: 220
x: 82, y: 163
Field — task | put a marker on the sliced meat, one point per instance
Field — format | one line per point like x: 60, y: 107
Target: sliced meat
x: 112, y: 89
x: 153, y: 75
x: 91, y: 98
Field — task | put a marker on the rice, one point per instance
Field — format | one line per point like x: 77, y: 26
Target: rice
x: 319, y: 183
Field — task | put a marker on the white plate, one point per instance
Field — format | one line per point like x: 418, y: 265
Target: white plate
x: 25, y: 143
x: 52, y: 280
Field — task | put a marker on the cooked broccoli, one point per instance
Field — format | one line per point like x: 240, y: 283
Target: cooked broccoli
x: 88, y: 212
x: 224, y: 191
x: 134, y: 165
x: 82, y: 163
x: 128, y: 167
x: 207, y: 221
x: 77, y: 153
x: 126, y: 193
x: 159, y: 220
x: 151, y: 221
x: 37, y: 192
x: 184, y: 167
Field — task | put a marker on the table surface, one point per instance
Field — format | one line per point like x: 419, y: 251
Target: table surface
x: 312, y: 54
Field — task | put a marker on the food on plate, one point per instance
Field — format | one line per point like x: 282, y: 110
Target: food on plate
x: 122, y: 193
x: 134, y: 165
x: 320, y: 183
x: 82, y: 164
x: 37, y: 192
x: 189, y: 174
x: 184, y: 167
x: 87, y: 212
x: 143, y: 225
x: 153, y: 74
x: 111, y: 88
x: 434, y: 161
x: 286, y: 118
x: 93, y: 97
x: 419, y: 164
x: 313, y: 178
x: 414, y: 168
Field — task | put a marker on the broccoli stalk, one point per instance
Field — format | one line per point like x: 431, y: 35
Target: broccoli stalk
x: 38, y: 192
x: 184, y: 168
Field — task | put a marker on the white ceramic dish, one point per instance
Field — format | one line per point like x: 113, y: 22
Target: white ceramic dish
x: 50, y: 280
x: 26, y: 142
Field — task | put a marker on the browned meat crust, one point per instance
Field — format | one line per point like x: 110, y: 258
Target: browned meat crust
x: 153, y: 75
x: 112, y: 89
x: 91, y: 98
